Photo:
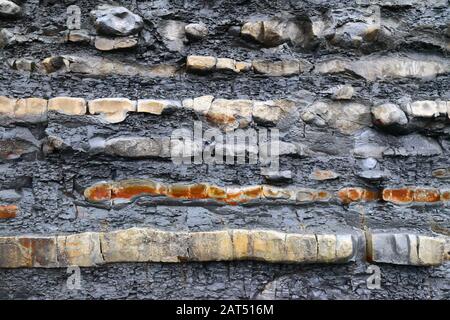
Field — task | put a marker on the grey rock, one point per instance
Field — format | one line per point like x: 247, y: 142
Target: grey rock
x: 414, y: 145
x: 373, y: 144
x: 369, y: 163
x: 15, y: 143
x: 24, y: 64
x: 374, y: 174
x: 391, y: 248
x: 345, y: 117
x: 388, y: 114
x: 342, y: 92
x: 7, y: 38
x: 370, y: 144
x: 276, y: 176
x: 134, y: 147
x: 52, y: 187
x: 79, y: 36
x: 280, y: 68
x: 9, y: 195
x: 116, y: 21
x: 274, y: 32
x: 196, y: 31
x: 9, y: 8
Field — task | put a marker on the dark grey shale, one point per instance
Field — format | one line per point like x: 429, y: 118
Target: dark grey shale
x: 51, y: 186
x: 236, y: 280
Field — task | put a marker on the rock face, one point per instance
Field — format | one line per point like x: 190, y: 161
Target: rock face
x: 116, y: 21
x: 225, y: 149
x: 343, y: 92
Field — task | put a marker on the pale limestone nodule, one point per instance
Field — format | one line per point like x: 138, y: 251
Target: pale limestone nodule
x: 113, y: 110
x: 67, y: 105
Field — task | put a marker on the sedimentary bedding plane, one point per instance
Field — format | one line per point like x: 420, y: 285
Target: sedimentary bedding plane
x: 149, y: 245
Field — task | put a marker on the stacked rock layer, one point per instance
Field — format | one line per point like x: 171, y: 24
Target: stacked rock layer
x: 94, y: 172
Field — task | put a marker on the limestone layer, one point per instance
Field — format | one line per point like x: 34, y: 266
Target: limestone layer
x: 149, y: 245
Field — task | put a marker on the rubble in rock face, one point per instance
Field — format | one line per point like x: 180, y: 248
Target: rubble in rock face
x: 353, y: 28
x: 17, y: 142
x: 323, y: 175
x: 345, y: 117
x: 343, y: 92
x: 9, y: 8
x: 196, y: 31
x: 6, y: 38
x: 116, y: 21
x: 389, y: 114
x: 428, y: 109
x: 274, y: 32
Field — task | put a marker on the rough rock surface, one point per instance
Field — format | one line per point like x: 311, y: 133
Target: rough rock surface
x: 384, y: 171
x: 9, y: 8
x: 116, y: 21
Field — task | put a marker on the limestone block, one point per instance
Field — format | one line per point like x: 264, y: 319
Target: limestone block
x: 67, y: 105
x: 31, y: 110
x: 211, y: 246
x: 112, y: 110
x: 200, y: 63
x: 82, y: 249
x: 156, y: 107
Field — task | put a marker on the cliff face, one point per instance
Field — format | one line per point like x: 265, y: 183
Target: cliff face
x: 102, y: 167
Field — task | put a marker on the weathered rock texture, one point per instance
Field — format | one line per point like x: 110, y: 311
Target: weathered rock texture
x: 357, y: 89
